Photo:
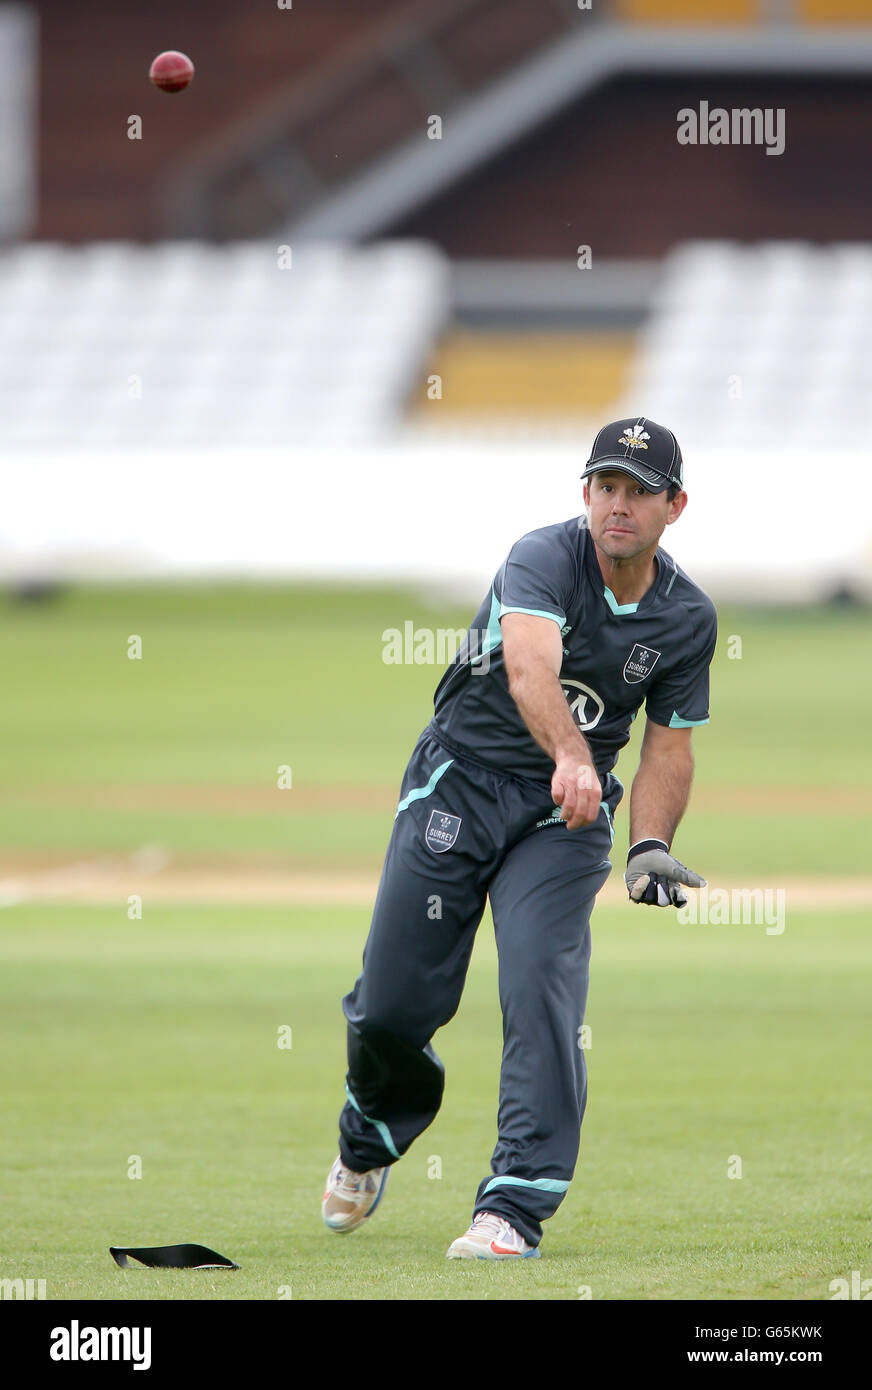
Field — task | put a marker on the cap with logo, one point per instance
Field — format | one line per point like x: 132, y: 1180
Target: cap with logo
x: 638, y: 446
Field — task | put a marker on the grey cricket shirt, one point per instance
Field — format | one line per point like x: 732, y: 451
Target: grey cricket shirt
x: 615, y: 657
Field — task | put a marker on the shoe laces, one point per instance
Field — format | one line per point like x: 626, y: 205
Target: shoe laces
x: 491, y: 1222
x: 348, y: 1179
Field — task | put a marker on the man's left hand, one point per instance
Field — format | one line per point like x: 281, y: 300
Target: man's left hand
x: 655, y: 878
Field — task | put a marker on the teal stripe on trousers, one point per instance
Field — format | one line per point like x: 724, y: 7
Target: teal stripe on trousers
x: 543, y: 1184
x: 417, y: 792
x: 386, y: 1137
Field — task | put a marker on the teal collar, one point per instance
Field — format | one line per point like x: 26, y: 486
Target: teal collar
x: 616, y: 607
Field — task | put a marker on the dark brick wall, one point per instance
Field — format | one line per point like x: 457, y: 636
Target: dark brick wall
x: 94, y: 61
x: 610, y: 173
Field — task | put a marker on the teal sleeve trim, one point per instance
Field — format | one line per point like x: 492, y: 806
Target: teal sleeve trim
x: 676, y: 722
x: 382, y: 1128
x: 493, y: 637
x: 543, y: 1184
x: 417, y: 792
x: 616, y: 607
x: 535, y: 613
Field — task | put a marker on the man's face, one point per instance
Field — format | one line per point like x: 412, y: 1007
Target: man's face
x: 624, y: 517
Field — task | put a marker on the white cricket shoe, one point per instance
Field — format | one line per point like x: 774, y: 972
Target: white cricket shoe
x: 491, y: 1237
x: 350, y: 1197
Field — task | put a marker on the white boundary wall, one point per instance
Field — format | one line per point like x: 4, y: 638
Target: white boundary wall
x: 441, y: 513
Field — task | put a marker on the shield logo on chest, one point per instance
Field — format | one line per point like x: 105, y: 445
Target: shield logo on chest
x: 640, y: 663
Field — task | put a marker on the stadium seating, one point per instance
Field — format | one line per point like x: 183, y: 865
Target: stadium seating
x: 767, y: 345
x: 187, y: 343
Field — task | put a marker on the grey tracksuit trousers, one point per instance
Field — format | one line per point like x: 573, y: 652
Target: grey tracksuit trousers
x: 463, y: 832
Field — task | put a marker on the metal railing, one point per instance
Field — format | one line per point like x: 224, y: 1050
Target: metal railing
x: 301, y: 143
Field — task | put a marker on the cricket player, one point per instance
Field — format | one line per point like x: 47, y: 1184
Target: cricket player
x: 510, y: 793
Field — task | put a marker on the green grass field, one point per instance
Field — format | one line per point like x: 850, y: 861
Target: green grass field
x: 157, y: 1037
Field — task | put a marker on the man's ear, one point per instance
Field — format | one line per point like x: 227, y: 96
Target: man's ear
x: 676, y: 507
x: 585, y: 492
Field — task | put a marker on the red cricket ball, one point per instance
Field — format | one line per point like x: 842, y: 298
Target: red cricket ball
x: 171, y: 71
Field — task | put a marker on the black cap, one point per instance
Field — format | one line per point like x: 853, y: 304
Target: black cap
x: 637, y: 446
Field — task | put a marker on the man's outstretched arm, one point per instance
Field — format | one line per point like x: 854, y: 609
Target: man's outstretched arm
x: 533, y: 653
x: 658, y: 800
x: 661, y: 787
